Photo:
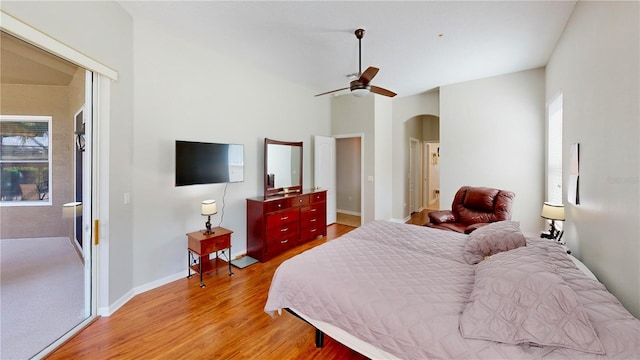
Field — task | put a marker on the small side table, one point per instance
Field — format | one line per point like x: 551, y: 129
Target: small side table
x: 201, y: 245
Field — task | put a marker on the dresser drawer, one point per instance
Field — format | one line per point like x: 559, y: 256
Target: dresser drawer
x: 208, y: 246
x: 319, y: 220
x: 283, y: 231
x: 310, y: 214
x: 318, y: 197
x: 282, y: 218
x: 301, y: 200
x: 279, y: 239
x: 312, y: 232
x: 275, y: 205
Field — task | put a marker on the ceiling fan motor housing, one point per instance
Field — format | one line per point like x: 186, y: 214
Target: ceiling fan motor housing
x: 359, y: 89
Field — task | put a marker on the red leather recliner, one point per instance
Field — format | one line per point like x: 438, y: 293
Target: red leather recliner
x: 472, y: 208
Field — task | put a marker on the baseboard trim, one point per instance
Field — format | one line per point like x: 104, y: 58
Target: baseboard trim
x: 113, y: 307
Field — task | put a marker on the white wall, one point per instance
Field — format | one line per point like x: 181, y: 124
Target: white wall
x: 430, y: 128
x: 186, y: 91
x: 595, y: 66
x: 492, y: 134
x: 383, y: 179
x: 102, y: 31
x: 404, y: 108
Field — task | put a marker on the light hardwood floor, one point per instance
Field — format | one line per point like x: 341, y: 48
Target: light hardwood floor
x: 419, y: 218
x: 346, y: 219
x: 224, y: 320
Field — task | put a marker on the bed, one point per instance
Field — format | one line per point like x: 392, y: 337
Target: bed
x: 390, y: 290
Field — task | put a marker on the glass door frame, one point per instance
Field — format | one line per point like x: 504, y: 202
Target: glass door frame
x: 97, y: 105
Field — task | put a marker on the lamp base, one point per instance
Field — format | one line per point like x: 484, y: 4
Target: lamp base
x: 553, y: 233
x: 208, y: 226
x: 546, y: 235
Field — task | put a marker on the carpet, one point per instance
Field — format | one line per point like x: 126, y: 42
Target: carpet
x: 41, y: 294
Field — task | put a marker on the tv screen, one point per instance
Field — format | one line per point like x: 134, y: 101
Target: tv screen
x: 208, y: 163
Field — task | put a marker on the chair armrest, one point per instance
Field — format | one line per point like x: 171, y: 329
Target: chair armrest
x: 469, y: 229
x: 442, y: 216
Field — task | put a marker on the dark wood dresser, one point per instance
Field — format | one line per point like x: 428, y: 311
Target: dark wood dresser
x: 277, y: 223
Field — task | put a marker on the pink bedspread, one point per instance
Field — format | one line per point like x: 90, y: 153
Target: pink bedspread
x: 403, y: 289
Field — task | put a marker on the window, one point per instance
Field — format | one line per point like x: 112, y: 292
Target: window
x: 554, y: 151
x: 25, y: 160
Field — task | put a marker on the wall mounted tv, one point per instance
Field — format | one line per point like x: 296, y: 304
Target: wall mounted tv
x: 208, y: 163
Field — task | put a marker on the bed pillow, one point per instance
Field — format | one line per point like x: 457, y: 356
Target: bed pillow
x: 519, y: 298
x: 491, y: 239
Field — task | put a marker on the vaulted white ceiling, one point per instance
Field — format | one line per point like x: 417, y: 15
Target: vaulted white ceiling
x: 418, y: 45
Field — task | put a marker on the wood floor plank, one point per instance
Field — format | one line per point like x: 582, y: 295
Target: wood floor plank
x: 224, y: 320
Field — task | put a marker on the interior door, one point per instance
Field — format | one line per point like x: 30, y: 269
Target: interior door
x: 324, y: 165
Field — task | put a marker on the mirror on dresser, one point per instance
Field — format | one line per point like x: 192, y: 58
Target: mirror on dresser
x: 285, y: 216
x: 282, y: 167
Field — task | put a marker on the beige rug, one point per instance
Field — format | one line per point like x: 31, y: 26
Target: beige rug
x: 41, y: 294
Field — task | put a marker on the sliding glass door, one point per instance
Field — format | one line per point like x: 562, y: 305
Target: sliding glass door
x: 45, y: 199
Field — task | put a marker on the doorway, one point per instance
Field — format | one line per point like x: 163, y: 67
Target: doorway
x: 421, y: 163
x: 349, y: 180
x: 338, y: 168
x: 46, y: 286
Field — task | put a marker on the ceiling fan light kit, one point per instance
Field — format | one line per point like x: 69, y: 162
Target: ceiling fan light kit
x: 361, y: 87
x: 360, y: 90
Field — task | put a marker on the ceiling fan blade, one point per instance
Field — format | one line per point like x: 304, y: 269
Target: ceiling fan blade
x: 381, y: 91
x: 332, y: 91
x: 368, y: 74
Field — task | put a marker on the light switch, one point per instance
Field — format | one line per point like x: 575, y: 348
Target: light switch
x: 127, y: 198
x: 370, y: 178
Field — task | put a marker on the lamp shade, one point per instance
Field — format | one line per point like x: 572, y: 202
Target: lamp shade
x: 209, y: 207
x: 552, y: 211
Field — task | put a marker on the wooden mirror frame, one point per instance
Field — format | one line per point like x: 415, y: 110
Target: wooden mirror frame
x: 276, y: 190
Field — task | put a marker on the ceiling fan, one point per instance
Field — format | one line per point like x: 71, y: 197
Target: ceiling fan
x: 361, y: 86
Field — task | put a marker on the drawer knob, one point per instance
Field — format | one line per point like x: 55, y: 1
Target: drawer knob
x: 284, y: 218
x: 314, y: 220
x: 314, y: 210
x: 279, y: 205
x: 284, y: 241
x: 284, y: 229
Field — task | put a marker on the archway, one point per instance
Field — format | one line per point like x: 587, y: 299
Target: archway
x: 421, y: 139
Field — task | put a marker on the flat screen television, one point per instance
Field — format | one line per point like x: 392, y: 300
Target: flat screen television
x: 208, y: 163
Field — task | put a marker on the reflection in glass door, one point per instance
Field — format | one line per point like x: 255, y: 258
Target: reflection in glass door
x: 45, y: 265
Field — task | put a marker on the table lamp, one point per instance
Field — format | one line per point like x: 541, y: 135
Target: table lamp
x: 209, y: 208
x: 552, y: 212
